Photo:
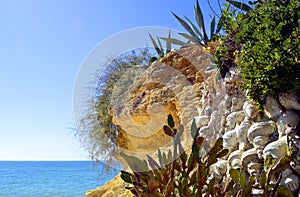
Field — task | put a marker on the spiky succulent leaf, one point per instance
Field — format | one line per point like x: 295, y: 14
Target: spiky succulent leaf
x: 157, y: 49
x: 173, y: 41
x: 240, y: 5
x: 212, y: 58
x: 194, y: 130
x: 153, y: 164
x: 196, y: 30
x: 210, y: 68
x: 200, y: 20
x: 212, y: 27
x: 190, y: 38
x: 168, y: 44
x: 185, y: 25
x: 135, y: 163
x: 160, y: 46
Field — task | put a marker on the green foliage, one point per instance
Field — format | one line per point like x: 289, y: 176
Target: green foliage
x: 197, y: 35
x: 178, y: 173
x: 269, y: 58
x: 264, y: 44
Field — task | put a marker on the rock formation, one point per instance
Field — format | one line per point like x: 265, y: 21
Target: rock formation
x: 178, y: 85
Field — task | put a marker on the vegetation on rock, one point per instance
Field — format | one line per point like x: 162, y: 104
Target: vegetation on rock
x: 98, y: 132
x: 264, y: 44
x: 179, y: 173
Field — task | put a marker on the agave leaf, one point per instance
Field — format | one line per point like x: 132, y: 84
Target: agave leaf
x: 220, y: 24
x: 190, y: 38
x: 196, y: 30
x: 152, y: 163
x: 200, y: 20
x: 160, y: 158
x: 194, y: 129
x: 216, y: 76
x: 210, y: 68
x: 174, y: 41
x: 168, y: 44
x: 212, y: 26
x: 212, y: 58
x: 240, y: 5
x: 185, y: 25
x: 253, y: 2
x: 135, y: 163
x: 160, y: 46
x: 157, y: 49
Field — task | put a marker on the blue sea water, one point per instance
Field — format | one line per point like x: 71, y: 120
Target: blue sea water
x: 51, y: 178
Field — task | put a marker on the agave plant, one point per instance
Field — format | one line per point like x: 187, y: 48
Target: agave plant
x: 197, y: 35
x: 160, y: 50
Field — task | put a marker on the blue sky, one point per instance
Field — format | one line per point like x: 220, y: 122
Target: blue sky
x: 42, y: 46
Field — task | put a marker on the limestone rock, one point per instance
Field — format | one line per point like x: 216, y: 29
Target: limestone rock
x: 234, y: 118
x: 276, y: 149
x: 287, y: 118
x: 289, y: 101
x: 115, y: 187
x: 272, y: 109
x: 250, y: 109
x: 241, y: 132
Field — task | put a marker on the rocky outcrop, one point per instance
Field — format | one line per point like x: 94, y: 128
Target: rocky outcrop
x: 172, y: 85
x: 178, y: 85
x: 115, y: 187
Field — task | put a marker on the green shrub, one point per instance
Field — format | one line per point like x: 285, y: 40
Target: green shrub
x: 269, y: 58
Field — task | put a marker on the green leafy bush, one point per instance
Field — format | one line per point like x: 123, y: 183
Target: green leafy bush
x: 269, y: 58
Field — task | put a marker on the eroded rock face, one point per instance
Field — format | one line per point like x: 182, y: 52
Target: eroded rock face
x: 173, y: 85
x: 178, y: 85
x: 115, y: 187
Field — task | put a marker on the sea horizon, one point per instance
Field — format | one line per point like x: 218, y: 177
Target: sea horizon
x: 47, y: 178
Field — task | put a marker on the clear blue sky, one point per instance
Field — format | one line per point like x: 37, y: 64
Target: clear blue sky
x: 42, y: 44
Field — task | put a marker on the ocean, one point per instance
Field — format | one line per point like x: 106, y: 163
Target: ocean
x: 51, y: 178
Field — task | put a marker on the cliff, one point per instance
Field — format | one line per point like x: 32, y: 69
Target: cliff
x: 178, y: 84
